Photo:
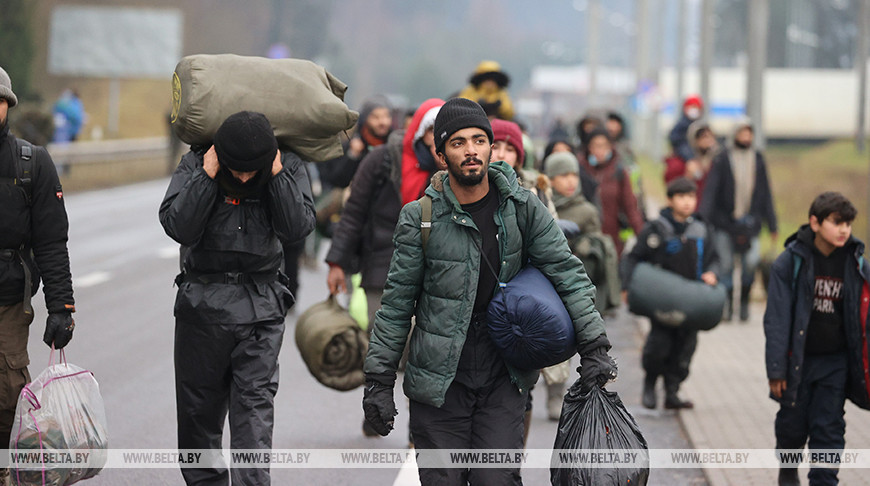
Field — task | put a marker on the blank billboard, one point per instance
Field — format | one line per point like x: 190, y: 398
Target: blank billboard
x: 114, y: 42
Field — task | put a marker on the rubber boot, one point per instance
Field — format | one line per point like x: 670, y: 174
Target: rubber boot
x: 555, y: 394
x: 729, y: 305
x: 744, y: 303
x: 649, y: 398
x: 673, y: 401
x: 788, y: 476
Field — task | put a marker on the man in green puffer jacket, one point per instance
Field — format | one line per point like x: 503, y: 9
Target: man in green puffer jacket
x: 463, y: 395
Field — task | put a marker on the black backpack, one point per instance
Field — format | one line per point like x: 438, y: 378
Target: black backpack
x: 24, y: 170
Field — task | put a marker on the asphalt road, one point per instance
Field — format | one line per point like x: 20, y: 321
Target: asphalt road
x: 123, y: 267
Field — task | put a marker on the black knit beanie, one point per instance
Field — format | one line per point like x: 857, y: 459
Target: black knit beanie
x: 456, y: 114
x: 245, y: 142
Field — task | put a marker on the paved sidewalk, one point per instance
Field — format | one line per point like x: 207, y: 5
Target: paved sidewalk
x: 728, y: 384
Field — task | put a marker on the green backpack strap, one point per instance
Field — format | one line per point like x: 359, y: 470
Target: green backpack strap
x: 425, y: 219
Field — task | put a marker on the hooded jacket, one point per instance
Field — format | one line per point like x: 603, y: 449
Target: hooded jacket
x: 679, y: 138
x: 614, y: 194
x: 362, y: 240
x: 228, y: 236
x: 42, y: 227
x: 675, y: 167
x: 717, y: 203
x: 438, y: 285
x: 790, y: 296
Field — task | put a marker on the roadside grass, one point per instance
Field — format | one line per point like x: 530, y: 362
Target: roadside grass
x: 798, y: 173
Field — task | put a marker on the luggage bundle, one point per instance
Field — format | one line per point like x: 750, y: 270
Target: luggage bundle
x: 304, y: 102
x: 61, y: 412
x: 332, y: 345
x: 529, y: 324
x: 673, y: 300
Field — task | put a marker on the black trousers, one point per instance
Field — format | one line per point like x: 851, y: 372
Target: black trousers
x: 482, y: 410
x: 668, y: 352
x: 222, y: 368
x: 818, y: 412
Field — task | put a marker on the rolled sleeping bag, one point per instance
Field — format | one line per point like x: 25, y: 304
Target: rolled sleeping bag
x: 673, y: 300
x: 303, y: 102
x: 332, y: 345
x: 529, y: 323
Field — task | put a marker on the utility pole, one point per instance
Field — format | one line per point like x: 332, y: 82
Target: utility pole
x: 758, y: 25
x: 681, y: 52
x: 861, y: 66
x: 642, y: 51
x: 706, y: 61
x: 593, y: 24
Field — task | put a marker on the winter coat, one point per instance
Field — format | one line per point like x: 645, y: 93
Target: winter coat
x: 679, y: 138
x: 438, y: 285
x: 41, y: 228
x: 362, y: 240
x: 338, y: 172
x: 228, y: 236
x: 539, y: 185
x: 790, y: 296
x: 615, y: 196
x: 594, y: 248
x: 686, y: 250
x: 717, y: 203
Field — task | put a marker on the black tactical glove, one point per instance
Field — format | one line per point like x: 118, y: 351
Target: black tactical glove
x: 58, y: 329
x: 379, y: 407
x: 596, y: 368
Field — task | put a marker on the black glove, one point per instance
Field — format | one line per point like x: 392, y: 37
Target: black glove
x: 58, y: 329
x: 379, y: 407
x: 596, y: 368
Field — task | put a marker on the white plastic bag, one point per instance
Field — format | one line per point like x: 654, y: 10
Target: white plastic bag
x: 59, y: 428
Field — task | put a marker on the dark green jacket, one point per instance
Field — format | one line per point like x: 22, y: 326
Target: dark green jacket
x: 439, y: 287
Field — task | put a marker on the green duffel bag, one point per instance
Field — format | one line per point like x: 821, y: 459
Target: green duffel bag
x: 673, y: 300
x: 304, y: 102
x: 332, y: 345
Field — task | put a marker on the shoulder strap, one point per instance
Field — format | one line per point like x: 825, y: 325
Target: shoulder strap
x: 425, y: 219
x: 796, y: 264
x: 25, y: 167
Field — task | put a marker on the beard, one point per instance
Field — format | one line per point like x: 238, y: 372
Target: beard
x: 467, y: 180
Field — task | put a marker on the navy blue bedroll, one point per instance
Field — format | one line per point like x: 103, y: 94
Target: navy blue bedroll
x: 529, y: 323
x: 673, y: 300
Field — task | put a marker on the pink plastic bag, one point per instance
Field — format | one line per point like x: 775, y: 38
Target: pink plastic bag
x: 59, y: 433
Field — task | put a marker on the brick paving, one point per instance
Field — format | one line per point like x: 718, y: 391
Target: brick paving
x: 728, y: 385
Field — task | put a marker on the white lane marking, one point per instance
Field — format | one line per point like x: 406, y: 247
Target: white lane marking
x: 408, y: 474
x: 91, y: 279
x: 168, y: 252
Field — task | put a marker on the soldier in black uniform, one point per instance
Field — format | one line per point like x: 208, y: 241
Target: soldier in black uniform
x: 33, y: 236
x: 233, y: 206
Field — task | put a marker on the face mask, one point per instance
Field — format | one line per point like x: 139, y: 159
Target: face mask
x: 593, y: 160
x: 693, y: 112
x: 742, y: 145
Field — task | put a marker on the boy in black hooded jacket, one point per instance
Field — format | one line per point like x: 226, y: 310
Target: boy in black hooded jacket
x: 815, y: 327
x: 676, y: 241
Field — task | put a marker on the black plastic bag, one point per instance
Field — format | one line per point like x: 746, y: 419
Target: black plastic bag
x: 595, y: 421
